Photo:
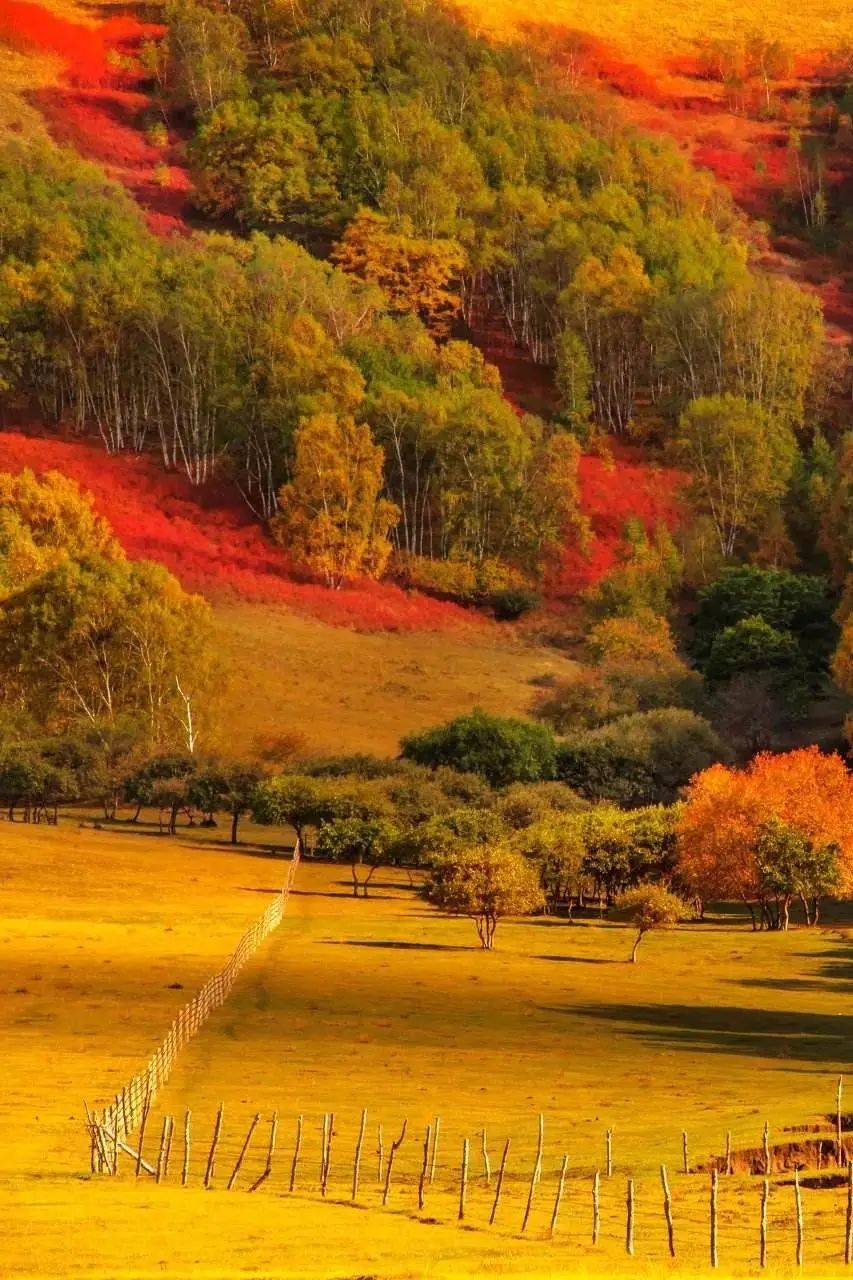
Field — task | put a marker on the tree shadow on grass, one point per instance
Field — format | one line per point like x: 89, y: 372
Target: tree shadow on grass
x: 760, y: 1033
x: 581, y: 959
x: 835, y: 975
x: 394, y: 946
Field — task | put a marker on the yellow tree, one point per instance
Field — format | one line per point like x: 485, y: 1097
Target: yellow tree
x: 332, y: 518
x: 418, y: 274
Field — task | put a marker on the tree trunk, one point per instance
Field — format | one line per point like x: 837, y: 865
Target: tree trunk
x: 235, y: 818
x: 636, y: 947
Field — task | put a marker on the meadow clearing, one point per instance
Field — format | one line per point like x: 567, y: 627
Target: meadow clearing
x: 386, y: 1004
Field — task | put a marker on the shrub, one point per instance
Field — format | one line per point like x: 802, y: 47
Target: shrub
x: 650, y: 906
x: 513, y: 603
x: 500, y: 749
x: 641, y: 758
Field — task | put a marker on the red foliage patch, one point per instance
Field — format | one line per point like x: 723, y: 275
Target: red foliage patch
x: 610, y: 496
x: 211, y: 542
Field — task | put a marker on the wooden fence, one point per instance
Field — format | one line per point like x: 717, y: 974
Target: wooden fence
x: 110, y: 1128
x: 721, y: 1212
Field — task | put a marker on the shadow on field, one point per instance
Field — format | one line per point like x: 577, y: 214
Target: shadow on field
x: 581, y: 959
x: 393, y: 946
x: 762, y: 1033
x: 834, y: 975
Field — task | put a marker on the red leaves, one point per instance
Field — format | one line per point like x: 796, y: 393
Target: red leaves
x: 85, y: 50
x: 610, y: 496
x: 211, y: 542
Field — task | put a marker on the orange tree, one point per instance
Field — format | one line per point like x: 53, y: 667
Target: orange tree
x: 722, y: 827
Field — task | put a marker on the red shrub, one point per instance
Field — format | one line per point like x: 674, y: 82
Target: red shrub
x: 211, y: 542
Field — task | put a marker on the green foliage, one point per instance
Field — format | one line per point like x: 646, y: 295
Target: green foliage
x: 357, y: 841
x: 642, y: 758
x: 798, y: 606
x: 752, y: 645
x: 790, y: 865
x: 648, y: 570
x: 499, y: 749
x: 485, y: 883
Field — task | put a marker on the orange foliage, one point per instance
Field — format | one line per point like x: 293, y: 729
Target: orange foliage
x: 725, y: 809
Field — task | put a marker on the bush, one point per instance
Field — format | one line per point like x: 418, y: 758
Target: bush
x: 639, y: 759
x: 500, y: 749
x: 486, y: 884
x: 513, y: 603
x: 477, y: 582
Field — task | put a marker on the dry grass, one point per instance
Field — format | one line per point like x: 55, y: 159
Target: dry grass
x: 388, y: 1005
x: 654, y: 32
x: 350, y: 691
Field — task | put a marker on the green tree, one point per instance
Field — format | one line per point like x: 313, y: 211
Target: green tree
x: 486, y: 884
x: 360, y: 842
x: 791, y: 865
x: 500, y: 749
x: 742, y: 460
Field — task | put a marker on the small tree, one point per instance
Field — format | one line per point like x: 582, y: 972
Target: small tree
x: 649, y: 907
x: 486, y: 884
x: 360, y: 842
x: 791, y: 866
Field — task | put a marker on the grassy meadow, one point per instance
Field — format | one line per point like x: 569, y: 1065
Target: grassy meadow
x: 386, y: 1004
x: 350, y: 691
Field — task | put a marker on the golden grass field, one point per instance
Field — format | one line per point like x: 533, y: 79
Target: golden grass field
x: 351, y: 691
x: 654, y: 32
x: 387, y: 1005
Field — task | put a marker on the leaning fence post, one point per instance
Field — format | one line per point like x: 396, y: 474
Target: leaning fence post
x: 296, y: 1151
x: 463, y: 1180
x: 714, y: 1180
x: 534, y: 1177
x: 146, y: 1107
x: 243, y: 1150
x: 629, y: 1218
x: 561, y: 1182
x: 667, y: 1210
x: 267, y: 1170
x: 798, y: 1201
x: 391, y: 1154
x: 499, y: 1184
x: 762, y: 1240
x: 211, y: 1157
x: 356, y: 1160
x: 596, y: 1207
x: 185, y: 1168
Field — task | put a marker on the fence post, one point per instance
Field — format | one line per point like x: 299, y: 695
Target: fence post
x: 424, y: 1167
x: 685, y: 1160
x: 379, y: 1154
x: 714, y: 1257
x: 848, y: 1232
x: 487, y: 1164
x: 185, y: 1168
x: 243, y: 1150
x: 608, y: 1153
x: 596, y: 1207
x: 768, y: 1160
x: 629, y: 1218
x: 323, y: 1142
x: 667, y: 1210
x: 211, y: 1157
x: 463, y: 1182
x: 267, y: 1170
x: 499, y: 1184
x: 535, y: 1175
x: 838, y: 1126
x: 161, y: 1153
x: 729, y: 1169
x: 328, y: 1157
x: 559, y: 1196
x: 798, y: 1200
x: 434, y: 1157
x: 762, y: 1243
x: 356, y: 1160
x: 391, y: 1154
x: 296, y: 1150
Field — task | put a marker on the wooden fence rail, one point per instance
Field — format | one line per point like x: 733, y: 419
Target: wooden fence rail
x: 110, y: 1129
